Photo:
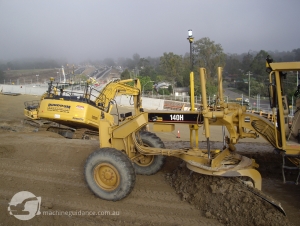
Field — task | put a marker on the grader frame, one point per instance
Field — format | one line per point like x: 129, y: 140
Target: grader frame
x: 217, y: 162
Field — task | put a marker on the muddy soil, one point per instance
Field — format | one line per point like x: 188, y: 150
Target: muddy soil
x: 51, y: 167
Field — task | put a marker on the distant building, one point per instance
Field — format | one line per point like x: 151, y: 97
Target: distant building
x: 162, y: 85
x: 181, y: 91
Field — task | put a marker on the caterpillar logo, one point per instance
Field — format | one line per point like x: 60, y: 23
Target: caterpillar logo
x: 94, y: 117
x: 157, y: 119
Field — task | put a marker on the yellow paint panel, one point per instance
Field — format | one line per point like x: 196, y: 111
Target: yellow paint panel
x: 163, y: 127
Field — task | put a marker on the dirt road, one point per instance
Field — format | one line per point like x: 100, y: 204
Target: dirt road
x: 51, y: 167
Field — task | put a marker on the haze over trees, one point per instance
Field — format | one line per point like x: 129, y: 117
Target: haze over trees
x: 175, y: 69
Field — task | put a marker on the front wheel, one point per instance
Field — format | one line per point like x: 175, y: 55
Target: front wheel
x: 109, y: 174
x: 149, y: 164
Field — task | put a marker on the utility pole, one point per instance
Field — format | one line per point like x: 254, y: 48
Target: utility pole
x: 242, y: 99
x: 293, y: 103
x: 144, y: 87
x: 192, y: 89
x: 249, y: 74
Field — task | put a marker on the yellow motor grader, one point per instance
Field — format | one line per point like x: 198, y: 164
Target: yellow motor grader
x: 126, y: 149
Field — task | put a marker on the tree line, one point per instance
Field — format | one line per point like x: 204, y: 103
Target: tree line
x: 176, y: 69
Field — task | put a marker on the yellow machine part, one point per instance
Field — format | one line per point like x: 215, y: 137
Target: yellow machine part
x: 70, y: 113
x: 32, y: 114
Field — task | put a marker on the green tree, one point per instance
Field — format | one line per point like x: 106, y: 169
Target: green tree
x: 171, y: 67
x: 146, y: 83
x: 233, y: 65
x: 164, y: 92
x: 159, y: 78
x: 208, y: 55
x: 246, y: 62
x: 136, y: 59
x: 297, y: 54
x: 185, y: 74
x: 211, y: 88
x: 258, y: 66
x: 129, y: 63
x: 1, y: 77
x: 258, y: 88
x: 241, y: 85
x: 170, y: 89
x: 143, y: 63
x: 125, y: 74
x: 148, y: 71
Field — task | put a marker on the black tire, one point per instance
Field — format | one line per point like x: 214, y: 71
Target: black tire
x: 109, y: 174
x: 153, y: 162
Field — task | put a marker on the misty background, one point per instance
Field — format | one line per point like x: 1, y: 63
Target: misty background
x: 75, y: 30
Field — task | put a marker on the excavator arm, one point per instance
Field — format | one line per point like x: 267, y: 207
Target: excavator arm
x: 116, y: 88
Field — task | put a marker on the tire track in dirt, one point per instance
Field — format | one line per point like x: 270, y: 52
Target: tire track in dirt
x: 148, y: 203
x: 54, y: 171
x: 9, y: 173
x: 77, y: 180
x: 41, y: 168
x: 144, y: 215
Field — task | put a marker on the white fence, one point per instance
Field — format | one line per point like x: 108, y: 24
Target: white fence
x: 24, y: 89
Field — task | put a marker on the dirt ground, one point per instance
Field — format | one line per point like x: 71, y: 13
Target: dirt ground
x: 51, y: 167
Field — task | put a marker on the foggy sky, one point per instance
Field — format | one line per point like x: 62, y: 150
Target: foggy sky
x: 96, y: 29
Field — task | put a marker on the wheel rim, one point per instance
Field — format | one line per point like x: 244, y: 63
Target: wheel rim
x: 106, y: 176
x: 145, y: 160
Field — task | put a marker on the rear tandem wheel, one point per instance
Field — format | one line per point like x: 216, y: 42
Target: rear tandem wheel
x: 149, y: 164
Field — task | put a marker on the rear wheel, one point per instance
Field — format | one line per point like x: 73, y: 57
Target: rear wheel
x: 149, y: 164
x: 109, y: 174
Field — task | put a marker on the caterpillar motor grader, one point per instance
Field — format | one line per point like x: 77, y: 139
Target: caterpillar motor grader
x: 126, y: 149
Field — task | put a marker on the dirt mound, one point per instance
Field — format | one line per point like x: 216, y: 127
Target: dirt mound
x: 224, y: 199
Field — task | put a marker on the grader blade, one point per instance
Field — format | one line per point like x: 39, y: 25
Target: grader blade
x: 265, y: 197
x: 244, y: 168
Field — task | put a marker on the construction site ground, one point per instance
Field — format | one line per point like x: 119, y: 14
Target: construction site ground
x: 51, y: 167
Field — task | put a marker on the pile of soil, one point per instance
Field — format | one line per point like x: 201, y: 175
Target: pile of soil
x: 224, y: 199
